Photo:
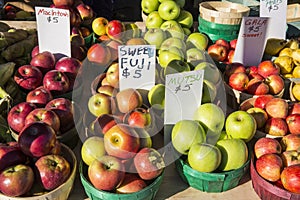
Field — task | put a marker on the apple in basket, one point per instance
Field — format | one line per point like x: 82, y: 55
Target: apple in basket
x: 269, y: 166
x: 267, y: 145
x: 131, y: 183
x: 40, y: 96
x: 290, y: 178
x: 28, y: 77
x: 45, y: 61
x: 277, y: 108
x: 11, y: 154
x: 56, y: 82
x: 290, y: 142
x: 262, y: 100
x: 291, y: 157
x: 267, y: 67
x: 293, y: 122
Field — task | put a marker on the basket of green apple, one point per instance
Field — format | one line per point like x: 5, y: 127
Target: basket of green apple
x: 275, y: 167
x: 37, y: 166
x: 62, y: 114
x: 213, y: 153
x: 244, y: 82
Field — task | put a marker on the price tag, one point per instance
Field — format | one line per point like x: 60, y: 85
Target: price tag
x: 53, y: 28
x: 251, y: 40
x: 276, y: 11
x: 183, y: 95
x: 137, y: 66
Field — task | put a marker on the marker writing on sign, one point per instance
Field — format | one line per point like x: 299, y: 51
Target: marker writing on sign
x: 272, y: 4
x: 253, y: 27
x: 184, y: 83
x: 53, y: 13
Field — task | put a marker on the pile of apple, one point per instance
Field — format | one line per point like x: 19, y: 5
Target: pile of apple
x: 34, y: 164
x: 278, y: 161
x: 168, y: 15
x: 255, y: 80
x: 274, y: 116
x: 47, y: 76
x: 222, y: 50
x: 213, y: 143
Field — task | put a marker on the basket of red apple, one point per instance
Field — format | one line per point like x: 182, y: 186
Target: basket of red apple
x: 56, y: 74
x: 36, y: 167
x: 275, y: 167
x: 244, y: 82
x: 61, y: 114
x: 213, y: 153
x: 274, y: 116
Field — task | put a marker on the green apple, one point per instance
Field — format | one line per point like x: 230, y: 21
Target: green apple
x: 186, y: 31
x: 204, y: 157
x: 169, y: 10
x: 99, y: 104
x: 195, y: 56
x: 153, y: 20
x: 160, y: 1
x: 149, y: 5
x: 223, y: 135
x: 234, y: 153
x: 240, y: 124
x: 212, y: 117
x: 198, y: 40
x: 166, y: 56
x: 156, y: 96
x: 173, y: 28
x: 209, y: 92
x: 185, y: 133
x: 211, y: 72
x: 173, y: 42
x: 176, y: 66
x: 92, y: 148
x: 185, y: 19
x: 155, y: 36
x: 181, y: 3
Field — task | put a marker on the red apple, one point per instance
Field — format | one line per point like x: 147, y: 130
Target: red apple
x: 255, y: 76
x: 277, y: 108
x: 293, y: 122
x: 37, y: 139
x: 230, y: 56
x: 16, y: 180
x: 44, y: 115
x: 223, y: 42
x: 115, y: 29
x: 257, y: 87
x: 17, y: 114
x: 252, y: 70
x: 104, y: 122
x: 106, y: 173
x: 234, y: 68
x: 28, y: 77
x: 99, y: 54
x: 63, y: 2
x: 262, y: 100
x: 218, y: 52
x: 294, y: 108
x: 290, y: 142
x: 40, y: 96
x: 290, y: 178
x: 267, y: 68
x: 276, y: 127
x: 232, y: 43
x: 267, y: 145
x: 53, y: 170
x: 64, y: 109
x: 121, y: 141
x: 128, y: 100
x: 139, y: 117
x: 275, y: 83
x: 11, y: 155
x: 45, y: 61
x: 131, y: 183
x: 35, y: 51
x: 85, y: 11
x: 291, y: 157
x: 269, y: 166
x: 238, y: 81
x: 113, y: 47
x: 56, y: 82
x: 149, y: 163
x: 69, y: 65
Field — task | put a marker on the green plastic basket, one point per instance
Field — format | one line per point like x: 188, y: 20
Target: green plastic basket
x: 210, y: 182
x: 148, y: 193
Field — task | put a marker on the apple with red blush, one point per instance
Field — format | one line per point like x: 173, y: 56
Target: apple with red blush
x: 113, y: 47
x: 267, y: 68
x: 232, y: 43
x: 234, y: 67
x: 42, y: 114
x: 37, y: 139
x: 139, y: 117
x: 131, y: 183
x: 99, y: 53
x: 291, y: 157
x: 17, y: 114
x: 45, y: 61
x: 28, y: 77
x: 56, y: 82
x: 257, y: 87
x: 115, y: 29
x: 238, y: 81
x: 11, y: 155
x: 294, y: 108
x: 269, y: 166
x: 40, y: 96
x: 223, y: 42
x: 35, y: 51
x: 69, y: 65
x: 290, y: 142
x: 218, y: 52
x: 262, y: 100
x: 275, y: 83
x: 290, y: 178
x: 276, y: 127
x: 230, y: 55
x: 85, y: 11
x: 256, y: 76
x: 267, y: 145
x: 58, y: 3
x: 293, y: 122
x: 277, y: 108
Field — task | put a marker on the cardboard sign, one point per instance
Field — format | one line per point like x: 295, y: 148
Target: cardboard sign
x: 53, y: 28
x: 183, y: 95
x: 251, y: 41
x: 137, y: 66
x: 276, y: 11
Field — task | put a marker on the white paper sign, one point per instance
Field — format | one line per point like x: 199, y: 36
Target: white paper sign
x: 276, y: 11
x: 53, y: 28
x: 183, y: 95
x: 251, y: 40
x: 137, y: 66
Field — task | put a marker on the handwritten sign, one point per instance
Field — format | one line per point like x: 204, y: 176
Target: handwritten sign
x: 137, y: 66
x: 251, y: 40
x: 183, y: 95
x: 276, y: 11
x: 53, y: 28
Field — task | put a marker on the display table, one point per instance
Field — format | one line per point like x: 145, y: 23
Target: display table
x: 174, y: 188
